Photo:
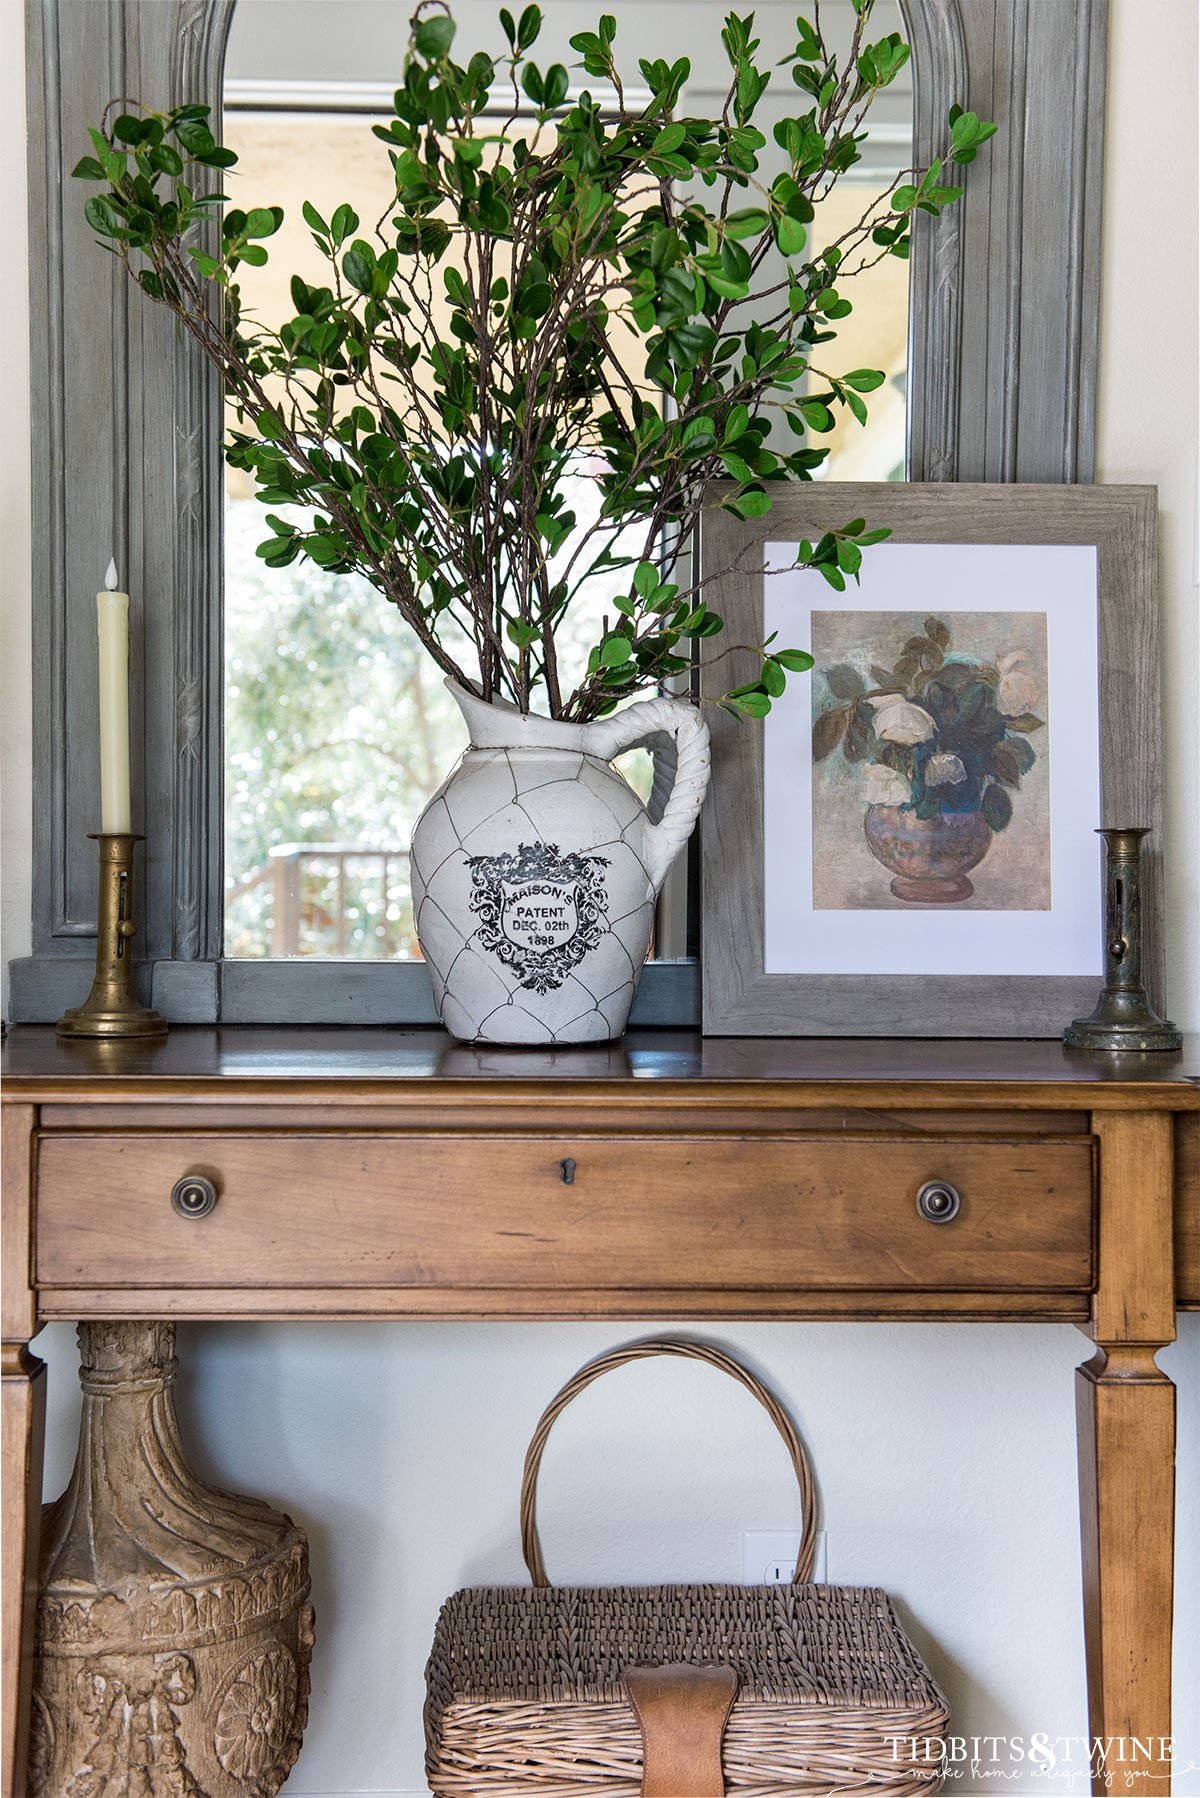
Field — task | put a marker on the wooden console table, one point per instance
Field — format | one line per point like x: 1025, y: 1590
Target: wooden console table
x: 390, y: 1173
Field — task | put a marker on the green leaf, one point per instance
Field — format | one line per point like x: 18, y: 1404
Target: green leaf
x: 358, y: 266
x: 816, y: 415
x: 1026, y: 722
x: 433, y: 37
x: 167, y: 160
x: 865, y: 380
x: 669, y: 138
x: 736, y: 466
x: 774, y: 679
x: 195, y: 137
x: 735, y: 423
x: 790, y: 235
x: 261, y: 222
x: 752, y: 221
x: 556, y: 85
x: 614, y: 651
x: 87, y: 169
x: 313, y: 219
x: 797, y: 660
x: 344, y: 221
x: 645, y: 579
x: 101, y: 217
x: 700, y: 434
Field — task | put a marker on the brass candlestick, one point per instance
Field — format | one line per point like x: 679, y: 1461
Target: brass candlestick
x: 111, y: 1008
x: 1124, y: 1017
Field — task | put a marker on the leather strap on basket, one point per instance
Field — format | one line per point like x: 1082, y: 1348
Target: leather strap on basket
x: 682, y: 1712
x: 689, y: 1351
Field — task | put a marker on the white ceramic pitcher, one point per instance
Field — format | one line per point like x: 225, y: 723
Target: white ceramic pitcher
x: 535, y: 868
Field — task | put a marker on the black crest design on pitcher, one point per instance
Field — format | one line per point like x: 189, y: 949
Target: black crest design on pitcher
x: 540, y: 912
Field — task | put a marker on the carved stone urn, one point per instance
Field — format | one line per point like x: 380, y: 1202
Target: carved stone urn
x: 535, y: 868
x: 174, y: 1630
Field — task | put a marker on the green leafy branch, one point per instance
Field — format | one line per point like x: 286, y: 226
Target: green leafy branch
x: 626, y: 292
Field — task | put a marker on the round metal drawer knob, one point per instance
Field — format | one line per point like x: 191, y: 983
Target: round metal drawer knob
x: 938, y: 1201
x: 193, y: 1196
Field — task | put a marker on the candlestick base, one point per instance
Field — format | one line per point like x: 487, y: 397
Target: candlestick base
x: 111, y: 1009
x: 1100, y: 1031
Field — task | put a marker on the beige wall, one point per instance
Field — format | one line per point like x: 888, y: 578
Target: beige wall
x: 945, y: 1452
x: 16, y: 696
x: 1148, y: 400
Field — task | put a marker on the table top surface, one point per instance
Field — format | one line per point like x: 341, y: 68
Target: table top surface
x: 197, y: 1059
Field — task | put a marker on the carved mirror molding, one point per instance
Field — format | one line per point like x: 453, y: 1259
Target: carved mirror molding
x: 127, y: 459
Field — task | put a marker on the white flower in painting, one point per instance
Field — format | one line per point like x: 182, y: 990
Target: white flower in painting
x: 944, y: 771
x: 885, y: 786
x: 1016, y: 691
x: 899, y: 721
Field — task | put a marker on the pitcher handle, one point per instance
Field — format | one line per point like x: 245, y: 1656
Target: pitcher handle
x: 679, y: 738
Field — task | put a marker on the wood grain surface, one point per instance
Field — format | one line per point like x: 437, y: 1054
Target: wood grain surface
x: 1126, y: 1440
x: 424, y: 1067
x: 1187, y: 1211
x: 23, y: 1408
x: 340, y: 1209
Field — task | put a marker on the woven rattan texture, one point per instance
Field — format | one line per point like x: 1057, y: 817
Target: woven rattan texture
x: 525, y: 1689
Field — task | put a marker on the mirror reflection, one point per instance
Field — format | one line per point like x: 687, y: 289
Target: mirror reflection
x: 337, y: 727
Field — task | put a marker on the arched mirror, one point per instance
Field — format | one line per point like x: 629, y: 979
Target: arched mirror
x: 999, y: 315
x: 337, y: 727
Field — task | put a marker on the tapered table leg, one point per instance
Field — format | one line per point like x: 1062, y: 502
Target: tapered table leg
x: 23, y: 1385
x: 1125, y: 1409
x: 24, y: 1392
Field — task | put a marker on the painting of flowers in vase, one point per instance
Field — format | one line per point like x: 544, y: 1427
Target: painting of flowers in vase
x: 931, y: 780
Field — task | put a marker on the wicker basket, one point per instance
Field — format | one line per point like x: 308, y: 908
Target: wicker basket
x: 530, y: 1691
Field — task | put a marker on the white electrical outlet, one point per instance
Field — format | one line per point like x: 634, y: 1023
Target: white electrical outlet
x: 769, y: 1557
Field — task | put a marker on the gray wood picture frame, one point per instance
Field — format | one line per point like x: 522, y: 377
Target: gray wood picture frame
x: 739, y: 997
x: 127, y: 458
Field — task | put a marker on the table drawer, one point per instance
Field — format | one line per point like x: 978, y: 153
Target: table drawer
x: 390, y: 1210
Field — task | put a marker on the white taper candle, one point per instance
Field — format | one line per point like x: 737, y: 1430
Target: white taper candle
x: 112, y: 619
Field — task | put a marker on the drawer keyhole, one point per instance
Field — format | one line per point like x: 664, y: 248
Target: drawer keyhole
x: 193, y: 1196
x: 568, y: 1171
x: 938, y: 1201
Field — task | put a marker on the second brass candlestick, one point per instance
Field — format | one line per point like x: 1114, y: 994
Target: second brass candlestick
x: 111, y: 1009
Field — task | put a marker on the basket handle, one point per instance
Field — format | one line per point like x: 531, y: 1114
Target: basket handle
x: 689, y: 1351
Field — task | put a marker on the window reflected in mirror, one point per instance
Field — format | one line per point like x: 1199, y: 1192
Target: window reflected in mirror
x: 337, y: 727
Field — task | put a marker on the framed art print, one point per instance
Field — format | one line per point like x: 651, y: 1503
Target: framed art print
x: 905, y: 845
